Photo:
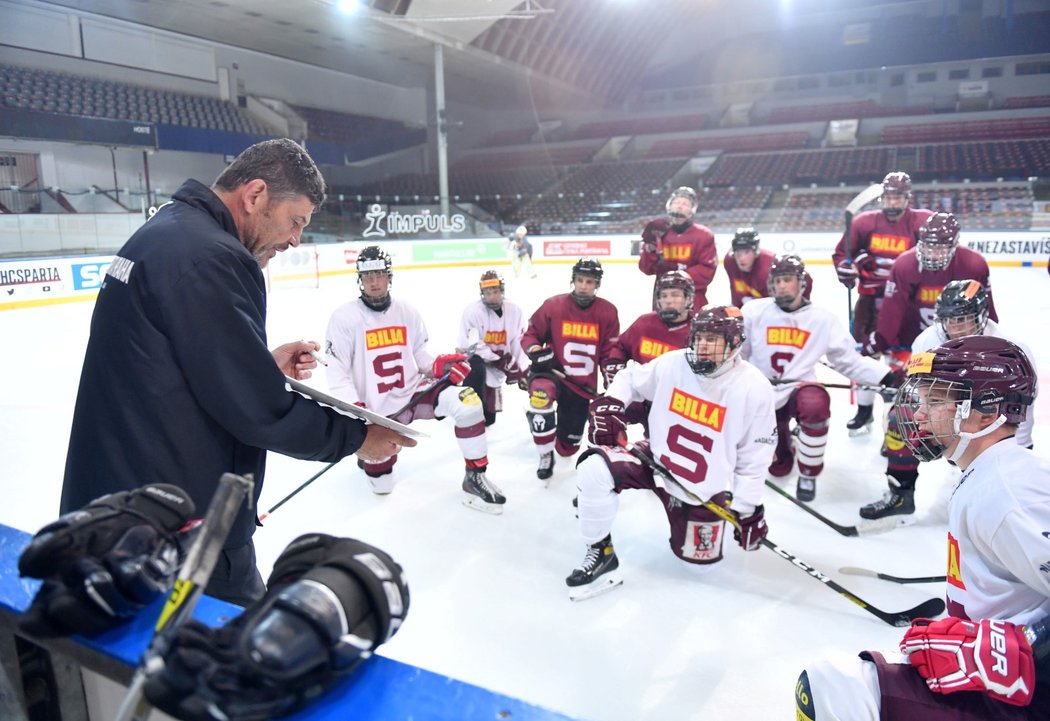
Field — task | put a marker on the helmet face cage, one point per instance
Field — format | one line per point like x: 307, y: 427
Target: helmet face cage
x: 896, y: 185
x: 944, y: 405
x: 962, y: 309
x: 682, y: 192
x: 492, y: 279
x: 787, y: 265
x: 674, y: 279
x: 938, y: 239
x: 745, y: 239
x: 724, y: 321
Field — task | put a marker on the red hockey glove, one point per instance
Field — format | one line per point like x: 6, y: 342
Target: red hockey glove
x: 958, y: 655
x: 873, y: 270
x: 609, y: 371
x: 847, y: 273
x: 870, y: 347
x: 653, y: 235
x: 608, y: 426
x: 455, y: 364
x: 514, y: 373
x: 752, y: 529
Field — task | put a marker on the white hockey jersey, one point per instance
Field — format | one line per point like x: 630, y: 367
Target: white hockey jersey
x: 934, y: 336
x: 498, y: 335
x: 713, y: 434
x: 789, y: 345
x: 998, y: 545
x: 378, y: 358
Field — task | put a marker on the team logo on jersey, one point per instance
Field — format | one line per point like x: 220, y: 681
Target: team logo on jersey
x: 386, y: 337
x: 580, y: 331
x: 703, y: 541
x: 954, y: 575
x: 677, y: 252
x: 783, y: 335
x: 696, y: 409
x: 650, y: 348
x: 893, y: 244
x: 928, y: 294
x: 495, y: 337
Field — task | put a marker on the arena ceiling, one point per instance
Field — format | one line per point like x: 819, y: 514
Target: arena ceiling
x: 497, y: 53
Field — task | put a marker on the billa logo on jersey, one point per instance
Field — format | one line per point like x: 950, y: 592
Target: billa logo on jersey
x: 696, y: 409
x: 580, y: 331
x: 386, y: 337
x: 495, y: 337
x: 928, y: 294
x: 741, y: 287
x: 650, y: 348
x: 783, y: 335
x: 677, y: 252
x: 954, y: 575
x: 894, y: 244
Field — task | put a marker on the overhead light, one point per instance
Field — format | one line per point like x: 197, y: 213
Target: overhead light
x: 348, y: 7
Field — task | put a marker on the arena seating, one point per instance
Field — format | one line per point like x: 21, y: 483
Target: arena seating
x: 641, y: 126
x: 999, y: 129
x: 685, y: 147
x: 345, y: 127
x: 837, y: 111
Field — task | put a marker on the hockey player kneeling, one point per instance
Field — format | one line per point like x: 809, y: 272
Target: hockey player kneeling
x: 330, y: 602
x: 711, y: 426
x: 105, y: 562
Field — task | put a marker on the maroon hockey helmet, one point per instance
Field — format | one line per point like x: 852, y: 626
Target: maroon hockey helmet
x: 787, y: 265
x: 980, y: 373
x: 896, y: 186
x: 492, y: 279
x: 962, y: 308
x: 723, y: 320
x: 674, y: 279
x: 938, y: 238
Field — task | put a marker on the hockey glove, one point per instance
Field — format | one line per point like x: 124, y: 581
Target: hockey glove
x: 653, y: 235
x: 608, y: 426
x: 890, y: 383
x: 609, y: 371
x: 751, y: 530
x: 953, y: 654
x: 330, y: 603
x: 870, y: 346
x: 104, y: 563
x: 515, y: 375
x: 847, y: 273
x: 455, y: 364
x: 542, y: 359
x: 873, y: 270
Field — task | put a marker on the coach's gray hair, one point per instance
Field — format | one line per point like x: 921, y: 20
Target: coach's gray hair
x: 283, y: 164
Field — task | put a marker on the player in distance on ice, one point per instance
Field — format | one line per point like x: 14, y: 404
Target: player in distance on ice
x: 786, y: 337
x: 377, y: 350
x: 964, y: 400
x: 704, y: 393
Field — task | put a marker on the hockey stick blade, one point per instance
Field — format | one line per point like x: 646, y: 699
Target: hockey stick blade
x: 352, y: 410
x: 856, y: 571
x: 189, y: 585
x: 868, y: 195
x: 927, y: 609
x: 861, y: 529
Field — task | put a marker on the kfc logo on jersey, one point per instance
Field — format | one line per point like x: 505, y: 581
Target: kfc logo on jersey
x: 703, y: 541
x: 579, y: 331
x: 954, y: 575
x: 386, y: 337
x: 650, y: 348
x: 698, y: 410
x: 888, y: 244
x: 783, y: 335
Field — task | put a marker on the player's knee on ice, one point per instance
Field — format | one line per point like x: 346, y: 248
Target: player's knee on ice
x: 840, y: 687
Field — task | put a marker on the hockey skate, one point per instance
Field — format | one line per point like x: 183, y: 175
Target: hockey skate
x: 596, y: 574
x: 896, y: 501
x: 481, y: 494
x: 861, y: 423
x: 382, y: 483
x: 546, y: 467
x: 806, y: 488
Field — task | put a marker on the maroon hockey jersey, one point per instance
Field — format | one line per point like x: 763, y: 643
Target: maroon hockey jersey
x: 755, y: 283
x: 872, y: 233
x: 582, y: 338
x: 647, y: 338
x: 693, y: 250
x: 911, y: 294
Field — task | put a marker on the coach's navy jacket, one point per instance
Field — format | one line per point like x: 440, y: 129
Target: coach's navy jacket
x: 178, y: 384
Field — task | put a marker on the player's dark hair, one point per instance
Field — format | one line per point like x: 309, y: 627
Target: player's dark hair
x: 283, y: 164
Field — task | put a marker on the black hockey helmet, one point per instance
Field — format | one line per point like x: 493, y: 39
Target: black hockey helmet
x: 961, y: 300
x: 369, y: 260
x: 745, y: 239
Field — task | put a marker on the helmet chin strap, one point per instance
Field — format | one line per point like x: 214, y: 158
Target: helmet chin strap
x: 962, y: 412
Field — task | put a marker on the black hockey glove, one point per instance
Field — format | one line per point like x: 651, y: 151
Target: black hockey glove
x: 542, y: 359
x: 330, y: 602
x: 890, y: 383
x: 104, y: 563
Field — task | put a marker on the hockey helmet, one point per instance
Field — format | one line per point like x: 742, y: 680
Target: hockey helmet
x: 787, y: 265
x: 938, y: 238
x: 745, y: 239
x: 370, y: 260
x: 492, y: 279
x: 896, y: 186
x: 962, y: 305
x: 674, y: 279
x: 724, y: 322
x: 675, y: 210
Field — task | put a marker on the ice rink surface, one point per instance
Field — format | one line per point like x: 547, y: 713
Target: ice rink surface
x: 489, y: 601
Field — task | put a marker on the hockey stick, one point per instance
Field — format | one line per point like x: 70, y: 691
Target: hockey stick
x: 927, y: 609
x: 862, y: 198
x: 189, y: 586
x: 855, y: 571
x: 573, y: 386
x: 862, y: 528
x: 857, y: 386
